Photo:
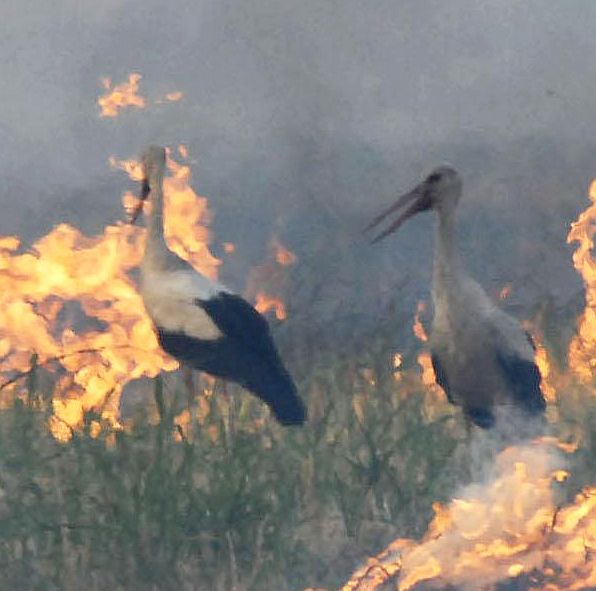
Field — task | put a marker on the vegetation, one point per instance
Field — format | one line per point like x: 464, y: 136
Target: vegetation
x: 206, y: 492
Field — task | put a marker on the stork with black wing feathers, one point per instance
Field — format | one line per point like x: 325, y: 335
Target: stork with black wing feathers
x: 482, y: 357
x: 203, y: 324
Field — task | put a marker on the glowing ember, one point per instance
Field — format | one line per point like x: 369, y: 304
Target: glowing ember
x: 120, y: 96
x: 174, y: 97
x: 544, y: 365
x: 505, y: 291
x: 582, y: 350
x: 282, y: 255
x: 435, y: 399
x: 264, y: 303
x: 418, y: 329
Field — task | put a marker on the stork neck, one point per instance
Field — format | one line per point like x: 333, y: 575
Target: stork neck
x: 446, y: 260
x: 156, y: 244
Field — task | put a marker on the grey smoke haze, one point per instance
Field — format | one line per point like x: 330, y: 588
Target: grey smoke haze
x: 306, y: 117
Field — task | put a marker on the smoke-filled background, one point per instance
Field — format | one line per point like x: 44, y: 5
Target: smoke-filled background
x: 305, y: 118
x: 302, y: 121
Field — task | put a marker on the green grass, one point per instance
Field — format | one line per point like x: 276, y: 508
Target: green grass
x: 234, y: 501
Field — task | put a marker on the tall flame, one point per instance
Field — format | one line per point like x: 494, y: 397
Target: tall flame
x: 582, y: 350
x: 66, y: 279
x: 187, y: 219
x: 496, y: 531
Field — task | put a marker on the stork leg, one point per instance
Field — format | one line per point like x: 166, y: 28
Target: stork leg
x: 468, y: 426
x: 189, y: 383
x: 228, y: 419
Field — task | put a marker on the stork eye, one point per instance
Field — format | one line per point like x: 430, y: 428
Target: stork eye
x: 434, y: 177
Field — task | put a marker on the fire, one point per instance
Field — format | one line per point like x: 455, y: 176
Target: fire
x: 505, y: 291
x: 126, y: 95
x: 434, y: 402
x: 187, y: 219
x: 67, y: 304
x: 268, y: 280
x: 417, y: 327
x: 283, y: 256
x: 174, y: 97
x: 51, y: 294
x: 40, y: 286
x: 264, y: 303
x: 120, y: 96
x: 511, y: 525
x: 496, y: 531
x: 544, y: 365
x: 582, y: 350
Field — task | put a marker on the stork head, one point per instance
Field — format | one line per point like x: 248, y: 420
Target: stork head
x: 153, y: 162
x: 440, y: 190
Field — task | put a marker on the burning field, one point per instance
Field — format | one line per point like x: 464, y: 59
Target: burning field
x: 194, y: 487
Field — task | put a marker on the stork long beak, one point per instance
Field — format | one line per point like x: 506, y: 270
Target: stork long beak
x: 145, y: 190
x: 416, y: 201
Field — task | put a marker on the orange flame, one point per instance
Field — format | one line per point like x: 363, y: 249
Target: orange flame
x: 264, y: 303
x: 268, y: 280
x: 174, y: 97
x: 120, y: 96
x: 435, y: 398
x: 283, y: 256
x: 496, y: 531
x: 417, y: 327
x: 544, y: 366
x: 63, y: 267
x: 187, y: 218
x: 505, y: 291
x: 38, y: 290
x: 582, y: 349
x: 511, y: 525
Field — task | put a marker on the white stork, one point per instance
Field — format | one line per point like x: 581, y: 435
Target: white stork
x: 481, y: 356
x: 203, y: 324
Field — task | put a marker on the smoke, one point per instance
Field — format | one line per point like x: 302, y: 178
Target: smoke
x: 305, y: 118
x: 502, y: 524
x: 496, y: 526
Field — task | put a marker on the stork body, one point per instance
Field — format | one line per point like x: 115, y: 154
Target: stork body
x: 482, y: 357
x: 203, y: 324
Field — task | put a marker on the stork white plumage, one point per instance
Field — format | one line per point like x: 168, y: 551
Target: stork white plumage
x: 482, y: 357
x: 203, y: 324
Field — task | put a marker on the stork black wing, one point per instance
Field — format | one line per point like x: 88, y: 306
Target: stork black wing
x: 523, y: 378
x: 482, y: 417
x: 239, y: 321
x: 441, y: 376
x: 245, y: 354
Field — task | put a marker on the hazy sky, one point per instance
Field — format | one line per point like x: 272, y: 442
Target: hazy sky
x: 286, y: 103
x: 386, y: 72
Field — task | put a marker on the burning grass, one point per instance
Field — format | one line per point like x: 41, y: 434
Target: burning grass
x: 206, y: 492
x: 196, y: 488
x: 225, y: 500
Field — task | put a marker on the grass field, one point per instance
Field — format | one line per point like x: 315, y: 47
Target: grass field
x: 205, y: 491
